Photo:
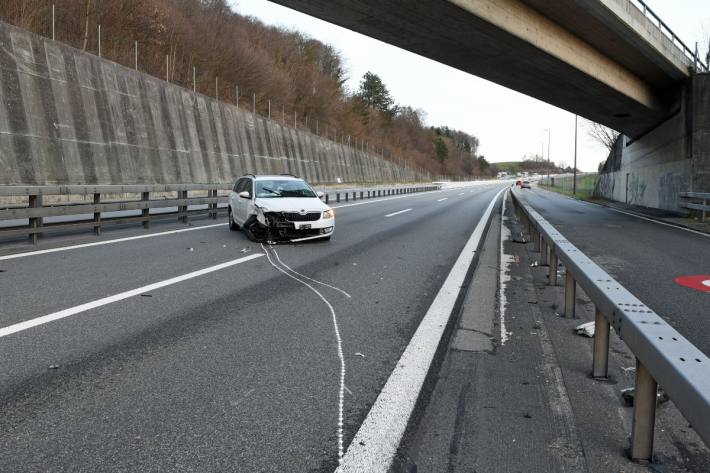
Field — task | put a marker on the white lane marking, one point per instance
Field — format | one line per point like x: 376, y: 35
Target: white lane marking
x: 441, y: 200
x: 108, y: 242
x: 379, y: 436
x: 19, y: 327
x: 504, y: 272
x: 341, y: 357
x: 462, y: 193
x: 306, y: 277
x: 397, y: 213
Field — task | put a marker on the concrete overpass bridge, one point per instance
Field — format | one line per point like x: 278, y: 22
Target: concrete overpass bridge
x: 611, y: 61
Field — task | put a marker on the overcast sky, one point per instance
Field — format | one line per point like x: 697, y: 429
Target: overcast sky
x: 508, y: 124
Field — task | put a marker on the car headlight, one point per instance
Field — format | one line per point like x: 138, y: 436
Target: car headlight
x: 330, y: 213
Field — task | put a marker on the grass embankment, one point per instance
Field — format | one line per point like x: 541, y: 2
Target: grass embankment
x: 585, y: 187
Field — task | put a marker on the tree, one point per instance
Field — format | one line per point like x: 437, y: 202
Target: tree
x: 602, y: 135
x: 442, y: 151
x: 375, y: 94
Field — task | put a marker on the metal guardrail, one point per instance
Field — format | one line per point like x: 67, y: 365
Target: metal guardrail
x: 36, y: 210
x: 663, y: 356
x: 698, y: 64
x: 693, y: 201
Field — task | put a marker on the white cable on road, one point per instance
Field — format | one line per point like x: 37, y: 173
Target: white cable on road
x: 379, y: 436
x: 341, y: 357
x: 19, y: 327
x: 306, y: 277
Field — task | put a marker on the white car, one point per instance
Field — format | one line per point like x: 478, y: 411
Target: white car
x: 279, y: 208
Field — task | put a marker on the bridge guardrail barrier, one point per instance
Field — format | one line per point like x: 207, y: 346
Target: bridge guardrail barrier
x: 696, y: 201
x: 94, y: 213
x: 663, y: 355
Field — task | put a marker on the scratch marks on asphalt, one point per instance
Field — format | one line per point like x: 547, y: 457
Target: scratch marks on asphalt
x: 300, y: 278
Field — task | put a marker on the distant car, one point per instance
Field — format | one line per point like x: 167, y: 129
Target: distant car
x: 525, y: 185
x: 518, y: 183
x: 279, y: 208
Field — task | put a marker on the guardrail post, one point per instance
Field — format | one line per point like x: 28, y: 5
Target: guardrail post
x: 326, y: 198
x: 361, y: 195
x: 552, y: 277
x: 600, y: 365
x: 543, y: 252
x: 337, y: 197
x: 182, y: 209
x: 35, y: 202
x: 97, y: 215
x: 213, y: 207
x: 570, y: 294
x: 644, y: 414
x: 354, y: 195
x: 145, y: 213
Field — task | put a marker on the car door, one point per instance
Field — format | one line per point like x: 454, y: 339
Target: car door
x: 242, y: 212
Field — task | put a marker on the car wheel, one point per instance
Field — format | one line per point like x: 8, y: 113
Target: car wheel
x: 232, y: 225
x: 325, y: 239
x: 254, y: 231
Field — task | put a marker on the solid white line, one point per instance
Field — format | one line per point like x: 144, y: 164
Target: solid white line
x: 107, y: 242
x: 19, y: 327
x: 341, y: 357
x: 306, y: 277
x: 379, y: 436
x: 397, y: 213
x: 441, y: 200
x: 504, y: 275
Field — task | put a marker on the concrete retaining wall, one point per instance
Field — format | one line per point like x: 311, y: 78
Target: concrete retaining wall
x: 68, y: 117
x: 654, y: 169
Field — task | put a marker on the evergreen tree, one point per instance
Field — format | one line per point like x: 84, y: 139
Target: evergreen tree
x: 375, y: 94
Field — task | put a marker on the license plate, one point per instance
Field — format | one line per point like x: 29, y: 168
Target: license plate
x: 305, y: 226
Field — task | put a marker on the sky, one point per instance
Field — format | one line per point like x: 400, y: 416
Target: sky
x: 508, y: 124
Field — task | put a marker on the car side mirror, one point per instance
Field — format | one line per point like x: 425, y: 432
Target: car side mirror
x: 320, y: 194
x: 245, y: 195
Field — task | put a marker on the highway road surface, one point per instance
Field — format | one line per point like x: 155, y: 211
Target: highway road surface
x: 198, y: 350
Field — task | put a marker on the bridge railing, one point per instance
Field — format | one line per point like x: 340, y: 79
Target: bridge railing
x: 663, y: 356
x: 697, y: 61
x: 699, y: 201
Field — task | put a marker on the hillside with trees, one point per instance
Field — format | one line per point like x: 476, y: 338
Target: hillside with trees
x: 241, y: 60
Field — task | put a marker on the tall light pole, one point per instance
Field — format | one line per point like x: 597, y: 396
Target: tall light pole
x: 574, y: 170
x: 548, y: 153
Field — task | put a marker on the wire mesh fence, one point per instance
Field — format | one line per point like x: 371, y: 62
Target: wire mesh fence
x: 565, y: 183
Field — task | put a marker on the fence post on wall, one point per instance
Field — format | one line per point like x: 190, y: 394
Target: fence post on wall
x: 97, y: 214
x: 35, y: 202
x: 99, y: 40
x: 145, y: 213
x: 53, y: 17
x: 213, y: 206
x: 182, y: 207
x: 135, y: 56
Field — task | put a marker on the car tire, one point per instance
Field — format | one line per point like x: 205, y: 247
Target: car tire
x: 325, y: 239
x: 232, y: 225
x: 253, y: 232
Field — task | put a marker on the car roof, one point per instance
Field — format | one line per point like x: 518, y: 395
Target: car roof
x: 283, y: 177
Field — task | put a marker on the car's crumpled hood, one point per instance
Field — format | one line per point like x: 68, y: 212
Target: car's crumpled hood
x: 291, y: 204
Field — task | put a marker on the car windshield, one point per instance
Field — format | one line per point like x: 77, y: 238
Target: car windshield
x: 266, y: 189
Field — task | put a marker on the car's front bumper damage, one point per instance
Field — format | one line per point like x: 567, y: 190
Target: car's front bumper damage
x: 277, y: 227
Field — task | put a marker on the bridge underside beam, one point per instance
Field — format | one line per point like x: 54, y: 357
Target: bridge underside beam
x: 514, y: 45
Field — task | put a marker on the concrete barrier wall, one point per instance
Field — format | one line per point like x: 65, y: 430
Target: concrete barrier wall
x: 68, y: 117
x: 654, y: 169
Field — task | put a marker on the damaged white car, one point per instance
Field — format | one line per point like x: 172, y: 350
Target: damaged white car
x: 279, y: 208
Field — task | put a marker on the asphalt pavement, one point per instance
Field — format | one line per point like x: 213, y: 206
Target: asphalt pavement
x: 191, y: 350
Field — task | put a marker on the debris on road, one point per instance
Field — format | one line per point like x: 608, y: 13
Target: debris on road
x: 628, y: 395
x: 534, y: 264
x: 359, y: 354
x: 538, y: 325
x: 53, y: 367
x: 586, y: 329
x: 245, y: 250
x: 146, y: 295
x: 190, y: 249
x: 628, y: 369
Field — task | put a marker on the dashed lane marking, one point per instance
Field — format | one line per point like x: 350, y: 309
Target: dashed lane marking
x: 397, y: 213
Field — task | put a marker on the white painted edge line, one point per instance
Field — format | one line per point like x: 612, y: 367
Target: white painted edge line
x: 107, y: 242
x: 397, y: 213
x: 21, y: 326
x: 376, y: 442
x: 504, y: 271
x: 441, y: 200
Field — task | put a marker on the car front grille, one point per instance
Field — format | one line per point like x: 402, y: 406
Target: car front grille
x: 297, y: 217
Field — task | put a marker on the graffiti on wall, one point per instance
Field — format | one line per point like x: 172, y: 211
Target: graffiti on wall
x: 670, y: 186
x: 605, y: 186
x: 636, y: 190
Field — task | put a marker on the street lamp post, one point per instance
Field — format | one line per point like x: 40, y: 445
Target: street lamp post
x: 574, y: 170
x: 548, y: 153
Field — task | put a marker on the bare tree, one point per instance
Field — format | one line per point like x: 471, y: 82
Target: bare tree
x: 601, y: 134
